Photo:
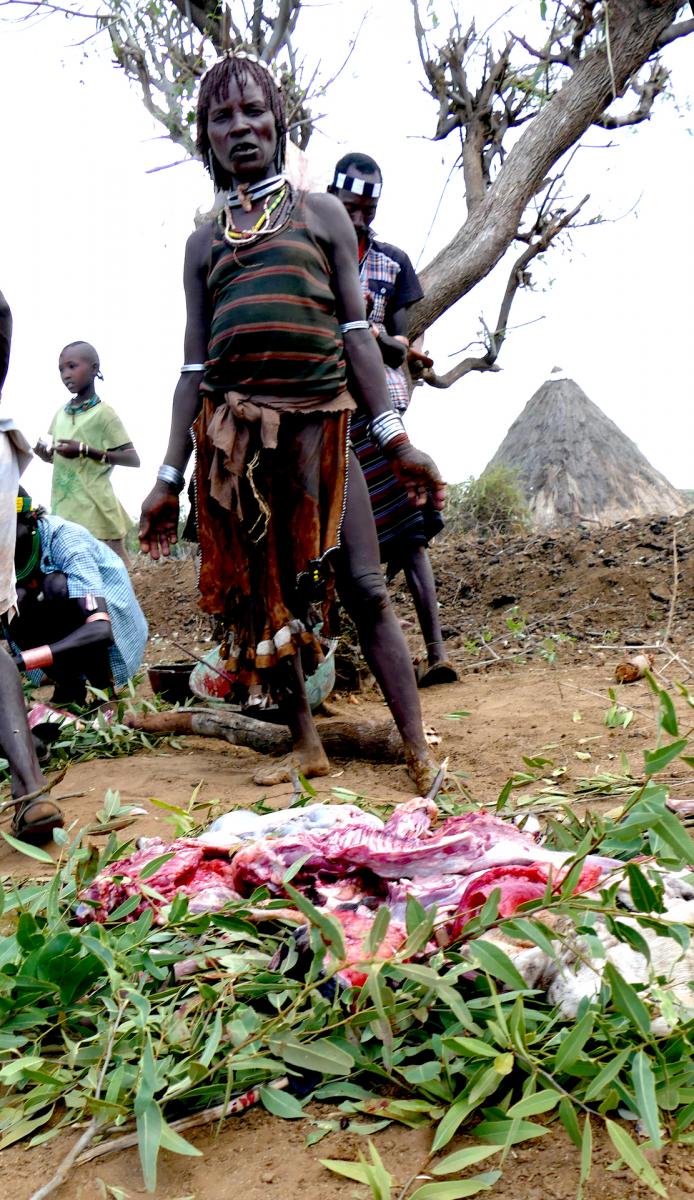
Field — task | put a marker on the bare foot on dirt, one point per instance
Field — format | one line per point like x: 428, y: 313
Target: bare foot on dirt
x: 308, y: 765
x: 422, y: 769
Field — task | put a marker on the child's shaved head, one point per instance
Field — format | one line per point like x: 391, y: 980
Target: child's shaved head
x: 83, y: 350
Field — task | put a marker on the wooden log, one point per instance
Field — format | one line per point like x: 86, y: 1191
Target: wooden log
x: 375, y: 741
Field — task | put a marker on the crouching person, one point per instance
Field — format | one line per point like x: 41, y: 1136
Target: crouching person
x: 78, y: 620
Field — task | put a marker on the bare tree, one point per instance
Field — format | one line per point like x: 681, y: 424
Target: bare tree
x: 163, y: 47
x: 518, y: 108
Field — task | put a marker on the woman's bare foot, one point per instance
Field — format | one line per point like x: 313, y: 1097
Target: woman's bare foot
x: 422, y: 769
x: 310, y: 765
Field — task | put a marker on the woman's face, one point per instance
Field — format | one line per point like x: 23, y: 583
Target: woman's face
x: 241, y: 131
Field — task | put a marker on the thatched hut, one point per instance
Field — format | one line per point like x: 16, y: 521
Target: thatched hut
x: 575, y: 464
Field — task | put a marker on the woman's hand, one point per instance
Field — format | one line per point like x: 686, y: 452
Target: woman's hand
x: 69, y: 448
x: 418, y: 473
x: 159, y: 521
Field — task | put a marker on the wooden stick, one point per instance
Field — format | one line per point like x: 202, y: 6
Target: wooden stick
x: 69, y: 1161
x: 236, y: 1105
x: 675, y: 588
x: 46, y: 787
x: 217, y: 670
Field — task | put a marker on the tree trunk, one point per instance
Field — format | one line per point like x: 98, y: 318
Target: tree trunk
x: 375, y: 741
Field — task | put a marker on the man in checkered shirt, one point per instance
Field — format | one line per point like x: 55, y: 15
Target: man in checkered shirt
x: 390, y: 286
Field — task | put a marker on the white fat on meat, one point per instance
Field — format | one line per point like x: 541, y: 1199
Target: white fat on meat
x: 665, y: 980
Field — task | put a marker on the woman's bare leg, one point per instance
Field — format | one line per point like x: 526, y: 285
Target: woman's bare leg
x: 308, y: 757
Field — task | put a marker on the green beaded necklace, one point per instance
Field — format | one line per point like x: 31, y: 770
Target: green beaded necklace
x: 32, y: 562
x: 74, y: 410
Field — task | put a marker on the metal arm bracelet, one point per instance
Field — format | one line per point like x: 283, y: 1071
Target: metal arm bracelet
x: 385, y: 428
x: 355, y: 325
x: 172, y: 476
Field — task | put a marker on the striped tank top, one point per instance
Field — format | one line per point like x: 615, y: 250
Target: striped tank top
x: 274, y: 328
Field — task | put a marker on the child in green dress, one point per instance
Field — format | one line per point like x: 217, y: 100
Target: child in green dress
x: 89, y: 440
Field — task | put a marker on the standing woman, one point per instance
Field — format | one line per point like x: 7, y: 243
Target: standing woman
x: 89, y: 440
x: 274, y: 308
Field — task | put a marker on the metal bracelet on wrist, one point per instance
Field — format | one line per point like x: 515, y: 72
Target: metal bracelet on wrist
x: 349, y: 325
x: 385, y: 428
x: 188, y: 367
x: 172, y: 476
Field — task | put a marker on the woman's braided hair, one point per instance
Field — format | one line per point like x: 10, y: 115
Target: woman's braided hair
x: 239, y: 67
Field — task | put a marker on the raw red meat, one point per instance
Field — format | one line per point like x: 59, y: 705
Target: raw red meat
x: 196, y: 870
x: 356, y: 927
x: 406, y: 847
x: 517, y: 885
x: 351, y: 870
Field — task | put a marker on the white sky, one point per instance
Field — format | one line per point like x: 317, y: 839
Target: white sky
x: 92, y: 246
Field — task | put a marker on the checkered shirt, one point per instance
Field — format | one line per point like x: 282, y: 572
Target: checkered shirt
x: 93, y: 569
x: 377, y: 265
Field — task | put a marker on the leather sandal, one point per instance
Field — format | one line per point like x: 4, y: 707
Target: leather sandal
x: 440, y: 672
x: 37, y: 828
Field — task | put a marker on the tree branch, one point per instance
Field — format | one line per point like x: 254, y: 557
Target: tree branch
x: 205, y: 17
x: 548, y: 230
x: 559, y: 121
x: 280, y: 30
x: 464, y: 367
x: 647, y: 92
x: 682, y: 29
x: 41, y: 5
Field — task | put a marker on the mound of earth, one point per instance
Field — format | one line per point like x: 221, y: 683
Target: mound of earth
x: 609, y: 585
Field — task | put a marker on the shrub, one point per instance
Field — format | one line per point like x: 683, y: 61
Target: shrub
x: 491, y: 506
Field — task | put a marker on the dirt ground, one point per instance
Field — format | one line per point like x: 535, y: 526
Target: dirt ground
x: 525, y: 692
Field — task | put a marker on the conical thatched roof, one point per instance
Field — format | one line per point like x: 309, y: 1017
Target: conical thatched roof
x: 575, y: 464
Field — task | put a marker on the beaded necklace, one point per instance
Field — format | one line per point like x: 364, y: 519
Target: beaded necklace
x: 31, y: 563
x: 236, y: 237
x: 74, y: 410
x: 245, y: 194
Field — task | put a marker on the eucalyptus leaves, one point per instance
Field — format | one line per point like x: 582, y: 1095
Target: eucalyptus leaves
x: 96, y: 1025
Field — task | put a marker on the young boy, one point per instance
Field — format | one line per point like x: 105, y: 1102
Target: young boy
x: 89, y: 441
x: 390, y: 287
x: 274, y: 306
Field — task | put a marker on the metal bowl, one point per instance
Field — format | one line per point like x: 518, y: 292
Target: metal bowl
x: 171, y: 681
